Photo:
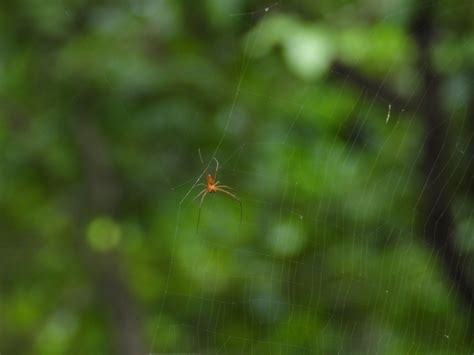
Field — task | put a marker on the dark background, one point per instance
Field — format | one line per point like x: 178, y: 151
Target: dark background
x: 345, y: 128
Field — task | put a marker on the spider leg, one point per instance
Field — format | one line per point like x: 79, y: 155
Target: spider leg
x: 204, y: 193
x: 217, y: 167
x: 218, y: 188
x: 224, y: 186
x: 199, y: 194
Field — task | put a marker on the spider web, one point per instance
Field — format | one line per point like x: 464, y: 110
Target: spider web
x: 344, y: 128
x: 329, y: 257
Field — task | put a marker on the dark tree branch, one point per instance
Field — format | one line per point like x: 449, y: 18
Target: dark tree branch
x: 103, y: 197
x: 470, y: 127
x: 373, y: 87
x: 439, y: 226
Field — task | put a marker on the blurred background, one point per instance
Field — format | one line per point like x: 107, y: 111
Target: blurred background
x: 345, y: 129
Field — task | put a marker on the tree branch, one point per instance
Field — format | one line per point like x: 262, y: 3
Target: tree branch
x: 439, y: 226
x: 372, y: 86
x: 104, y: 194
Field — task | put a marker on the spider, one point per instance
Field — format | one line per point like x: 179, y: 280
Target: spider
x: 213, y: 186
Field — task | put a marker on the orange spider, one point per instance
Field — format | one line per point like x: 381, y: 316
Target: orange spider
x: 214, y: 186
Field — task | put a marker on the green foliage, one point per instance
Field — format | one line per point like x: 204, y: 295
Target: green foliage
x: 105, y: 110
